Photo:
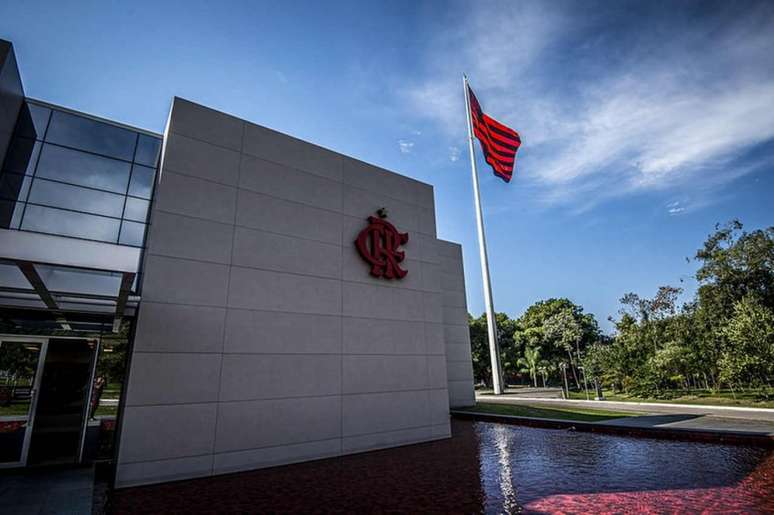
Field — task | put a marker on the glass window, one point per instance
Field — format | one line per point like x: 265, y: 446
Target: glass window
x: 56, y: 194
x: 12, y: 277
x: 141, y: 184
x: 79, y: 280
x: 136, y: 209
x: 14, y: 186
x: 83, y: 169
x: 86, y: 134
x: 10, y: 214
x: 148, y: 149
x: 132, y: 233
x: 68, y: 223
x: 33, y: 120
x: 22, y: 155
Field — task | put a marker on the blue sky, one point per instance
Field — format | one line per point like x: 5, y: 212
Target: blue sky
x: 643, y: 124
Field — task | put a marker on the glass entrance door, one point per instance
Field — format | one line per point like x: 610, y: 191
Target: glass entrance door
x: 21, y: 361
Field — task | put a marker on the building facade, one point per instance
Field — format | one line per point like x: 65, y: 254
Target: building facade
x: 220, y: 258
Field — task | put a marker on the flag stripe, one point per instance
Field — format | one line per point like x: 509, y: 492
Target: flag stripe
x: 503, y: 158
x: 498, y: 142
x: 506, y: 150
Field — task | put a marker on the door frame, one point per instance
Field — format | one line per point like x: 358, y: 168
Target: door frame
x: 44, y: 340
x: 30, y: 417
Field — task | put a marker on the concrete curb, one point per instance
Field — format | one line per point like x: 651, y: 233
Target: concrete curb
x: 492, y: 398
x: 697, y: 435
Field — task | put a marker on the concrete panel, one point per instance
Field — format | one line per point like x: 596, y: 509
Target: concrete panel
x: 355, y: 268
x: 370, y: 301
x: 460, y: 370
x: 162, y: 432
x: 427, y: 221
x: 254, y: 424
x: 201, y: 159
x: 193, y: 238
x: 448, y: 249
x: 454, y: 315
x: 280, y: 148
x: 173, y: 378
x: 275, y: 291
x: 362, y: 374
x: 436, y: 372
x: 179, y: 281
x: 146, y: 472
x: 442, y: 431
x: 452, y: 282
x: 378, y: 180
x: 269, y: 251
x: 258, y: 211
x: 178, y: 328
x: 371, y: 336
x: 451, y: 266
x: 380, y: 412
x: 433, y: 307
x: 461, y: 394
x: 457, y: 352
x: 272, y: 456
x: 362, y: 203
x: 456, y: 334
x: 184, y: 195
x: 202, y: 123
x: 274, y: 376
x: 439, y: 406
x: 274, y: 333
x: 383, y: 440
x: 427, y: 248
x: 431, y: 277
x: 455, y: 299
x: 434, y: 342
x: 288, y: 183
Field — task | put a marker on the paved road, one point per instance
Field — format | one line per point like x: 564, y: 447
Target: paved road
x: 714, y: 418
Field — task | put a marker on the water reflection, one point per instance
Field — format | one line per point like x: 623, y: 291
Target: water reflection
x: 541, y: 470
x: 490, y: 468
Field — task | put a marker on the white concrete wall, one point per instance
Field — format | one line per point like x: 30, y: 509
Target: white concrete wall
x: 459, y: 364
x: 261, y: 338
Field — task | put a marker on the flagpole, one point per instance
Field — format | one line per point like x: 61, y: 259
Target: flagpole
x: 491, y: 322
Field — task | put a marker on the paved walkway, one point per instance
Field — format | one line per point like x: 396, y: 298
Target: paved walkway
x: 757, y: 421
x: 47, y: 491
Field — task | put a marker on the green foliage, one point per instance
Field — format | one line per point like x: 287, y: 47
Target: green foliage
x: 723, y: 338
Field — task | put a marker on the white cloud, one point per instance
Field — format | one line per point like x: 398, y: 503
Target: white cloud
x: 674, y: 208
x: 454, y: 154
x: 405, y: 146
x: 671, y: 107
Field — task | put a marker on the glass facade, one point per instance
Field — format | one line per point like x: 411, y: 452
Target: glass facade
x: 71, y: 175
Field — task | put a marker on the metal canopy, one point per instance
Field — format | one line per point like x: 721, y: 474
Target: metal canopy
x: 63, y: 290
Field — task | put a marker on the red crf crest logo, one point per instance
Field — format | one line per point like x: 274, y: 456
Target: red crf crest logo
x: 378, y: 245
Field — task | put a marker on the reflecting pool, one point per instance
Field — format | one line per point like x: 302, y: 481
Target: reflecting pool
x: 492, y: 468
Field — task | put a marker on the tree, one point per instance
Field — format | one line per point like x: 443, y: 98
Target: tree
x: 530, y: 362
x: 750, y: 355
x: 479, y: 341
x: 558, y: 328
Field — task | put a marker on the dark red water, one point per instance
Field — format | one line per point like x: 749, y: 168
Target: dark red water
x: 491, y: 468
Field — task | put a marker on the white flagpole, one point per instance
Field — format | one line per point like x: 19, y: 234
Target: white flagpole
x: 491, y: 322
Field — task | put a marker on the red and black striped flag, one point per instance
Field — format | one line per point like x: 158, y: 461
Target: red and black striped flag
x: 498, y: 141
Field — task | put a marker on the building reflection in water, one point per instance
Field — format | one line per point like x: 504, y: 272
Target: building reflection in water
x: 490, y: 468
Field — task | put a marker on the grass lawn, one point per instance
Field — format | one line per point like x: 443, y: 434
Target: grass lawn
x: 106, y: 410
x: 15, y: 409
x: 577, y: 414
x: 750, y: 399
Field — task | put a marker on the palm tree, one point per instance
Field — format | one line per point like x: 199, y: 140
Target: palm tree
x: 529, y: 363
x: 544, y: 367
